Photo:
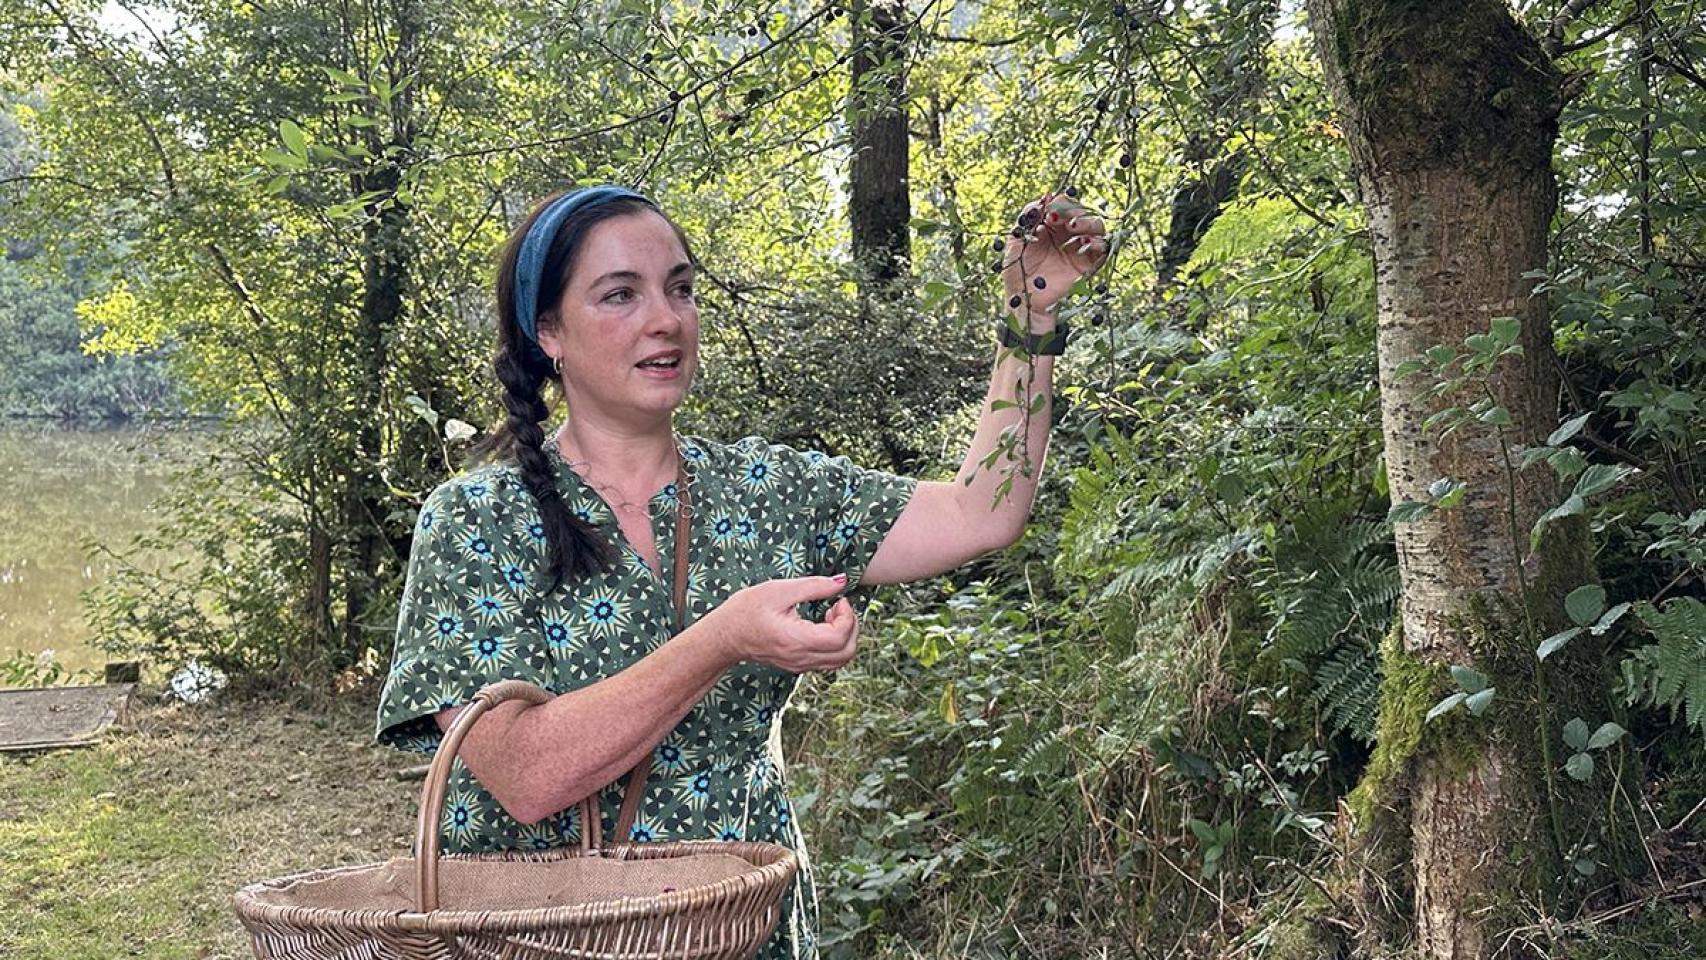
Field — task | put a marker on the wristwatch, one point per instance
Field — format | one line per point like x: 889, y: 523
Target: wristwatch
x: 1051, y: 344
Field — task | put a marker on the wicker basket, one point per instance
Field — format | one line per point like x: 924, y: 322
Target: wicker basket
x: 698, y: 899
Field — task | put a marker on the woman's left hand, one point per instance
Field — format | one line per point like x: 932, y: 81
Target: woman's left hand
x: 1070, y: 241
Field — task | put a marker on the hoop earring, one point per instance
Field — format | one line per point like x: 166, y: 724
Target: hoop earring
x: 557, y: 366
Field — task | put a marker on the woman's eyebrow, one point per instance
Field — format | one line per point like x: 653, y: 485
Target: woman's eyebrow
x: 631, y: 276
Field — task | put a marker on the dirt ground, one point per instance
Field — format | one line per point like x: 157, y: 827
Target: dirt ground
x: 132, y: 848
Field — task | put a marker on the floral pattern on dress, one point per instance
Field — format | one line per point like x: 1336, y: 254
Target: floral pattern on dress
x: 472, y: 613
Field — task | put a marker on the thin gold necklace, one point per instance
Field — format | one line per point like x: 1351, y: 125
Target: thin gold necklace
x: 610, y: 492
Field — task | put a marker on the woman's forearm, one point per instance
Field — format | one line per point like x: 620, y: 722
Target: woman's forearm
x: 539, y: 759
x: 1018, y: 406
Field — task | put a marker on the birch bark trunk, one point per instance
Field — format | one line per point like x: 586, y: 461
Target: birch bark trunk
x: 1450, y: 112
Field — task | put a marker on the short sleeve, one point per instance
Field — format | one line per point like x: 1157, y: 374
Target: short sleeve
x: 845, y: 510
x: 466, y: 616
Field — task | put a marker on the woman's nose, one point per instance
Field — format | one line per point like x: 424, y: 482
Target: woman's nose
x: 665, y: 316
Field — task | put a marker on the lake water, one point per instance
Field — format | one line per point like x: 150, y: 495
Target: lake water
x: 64, y: 484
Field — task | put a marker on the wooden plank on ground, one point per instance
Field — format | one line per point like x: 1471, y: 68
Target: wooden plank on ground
x: 44, y: 718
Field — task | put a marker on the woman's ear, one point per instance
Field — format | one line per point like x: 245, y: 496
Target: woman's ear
x: 549, y: 341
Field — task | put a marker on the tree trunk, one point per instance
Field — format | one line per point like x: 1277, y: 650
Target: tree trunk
x: 317, y: 601
x: 386, y: 259
x: 880, y: 204
x: 1451, y: 115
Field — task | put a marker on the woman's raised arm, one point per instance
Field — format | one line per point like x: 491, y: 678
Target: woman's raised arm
x: 947, y: 524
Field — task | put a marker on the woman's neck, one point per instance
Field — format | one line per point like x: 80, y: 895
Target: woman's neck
x: 632, y: 459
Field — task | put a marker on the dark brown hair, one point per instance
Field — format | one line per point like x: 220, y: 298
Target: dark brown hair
x: 574, y: 548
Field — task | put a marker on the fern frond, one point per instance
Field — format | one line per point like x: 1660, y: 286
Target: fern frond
x: 1671, y: 673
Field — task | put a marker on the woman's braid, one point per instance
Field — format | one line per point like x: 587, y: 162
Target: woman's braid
x: 573, y: 547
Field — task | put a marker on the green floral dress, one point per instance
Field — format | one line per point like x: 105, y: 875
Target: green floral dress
x: 474, y: 611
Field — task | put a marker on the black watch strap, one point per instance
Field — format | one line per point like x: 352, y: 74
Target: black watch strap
x: 1051, y: 344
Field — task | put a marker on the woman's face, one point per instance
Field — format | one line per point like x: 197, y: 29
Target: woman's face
x: 626, y: 328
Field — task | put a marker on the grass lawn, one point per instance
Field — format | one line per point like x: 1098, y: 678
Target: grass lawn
x: 132, y: 848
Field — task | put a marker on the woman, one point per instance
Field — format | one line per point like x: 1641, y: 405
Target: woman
x: 553, y: 565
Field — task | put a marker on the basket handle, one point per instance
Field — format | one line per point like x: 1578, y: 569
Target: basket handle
x: 430, y: 820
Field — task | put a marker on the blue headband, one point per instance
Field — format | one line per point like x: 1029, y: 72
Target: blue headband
x: 530, y: 262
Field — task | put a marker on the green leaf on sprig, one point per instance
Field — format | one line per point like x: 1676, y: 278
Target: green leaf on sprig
x: 1479, y: 702
x: 1446, y: 706
x: 1576, y: 733
x: 1610, y: 617
x: 1585, y: 603
x: 342, y: 76
x: 1452, y: 496
x: 1556, y: 642
x: 1569, y: 429
x: 1607, y: 734
x: 294, y: 139
x: 1533, y: 455
x: 1579, y: 766
x: 421, y: 408
x: 1204, y: 832
x: 280, y: 160
x: 1568, y: 462
x: 1495, y: 416
x: 1570, y: 507
x: 1467, y: 677
x: 1599, y: 478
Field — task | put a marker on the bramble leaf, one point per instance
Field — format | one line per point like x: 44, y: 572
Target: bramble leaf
x: 1447, y: 705
x: 1585, y: 604
x: 1556, y: 642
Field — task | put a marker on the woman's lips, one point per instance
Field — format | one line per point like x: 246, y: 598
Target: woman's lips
x: 661, y: 373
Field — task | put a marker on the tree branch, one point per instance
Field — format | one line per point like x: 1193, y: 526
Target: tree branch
x: 1586, y: 42
x: 1682, y: 71
x: 974, y: 41
x: 1572, y: 11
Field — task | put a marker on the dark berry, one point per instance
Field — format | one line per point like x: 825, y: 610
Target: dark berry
x: 1030, y: 218
x: 675, y: 96
x: 1098, y: 319
x: 1125, y: 160
x: 1015, y: 300
x: 997, y: 266
x: 1039, y: 283
x: 1101, y: 289
x: 1119, y: 10
x: 1000, y: 244
x: 752, y: 31
x: 1102, y: 104
x: 1070, y: 191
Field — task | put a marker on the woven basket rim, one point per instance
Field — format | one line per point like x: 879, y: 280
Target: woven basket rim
x: 761, y: 876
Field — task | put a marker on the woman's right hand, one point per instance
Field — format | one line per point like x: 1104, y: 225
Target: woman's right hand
x: 761, y: 623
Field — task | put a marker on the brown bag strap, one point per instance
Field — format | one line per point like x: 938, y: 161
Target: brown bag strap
x: 635, y: 789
